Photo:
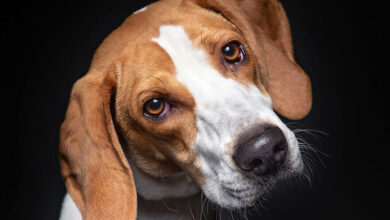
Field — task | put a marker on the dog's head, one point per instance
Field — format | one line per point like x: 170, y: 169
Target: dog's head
x: 191, y: 86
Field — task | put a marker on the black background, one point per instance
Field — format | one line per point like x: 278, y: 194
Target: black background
x: 341, y: 45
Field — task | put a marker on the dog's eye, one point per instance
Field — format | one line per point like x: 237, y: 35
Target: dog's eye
x: 156, y: 108
x: 233, y: 52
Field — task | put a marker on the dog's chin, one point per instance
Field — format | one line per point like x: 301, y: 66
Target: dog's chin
x: 246, y: 198
x: 243, y: 193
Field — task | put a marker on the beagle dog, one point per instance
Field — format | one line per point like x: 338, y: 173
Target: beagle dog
x: 181, y: 101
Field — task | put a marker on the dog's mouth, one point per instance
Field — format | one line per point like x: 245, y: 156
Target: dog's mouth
x: 244, y: 191
x: 246, y: 195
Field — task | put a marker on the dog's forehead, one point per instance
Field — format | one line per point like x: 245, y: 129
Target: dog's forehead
x: 173, y: 11
x: 203, y: 28
x: 145, y: 23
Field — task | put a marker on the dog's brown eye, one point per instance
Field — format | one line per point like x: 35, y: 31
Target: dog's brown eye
x: 233, y: 52
x: 156, y: 107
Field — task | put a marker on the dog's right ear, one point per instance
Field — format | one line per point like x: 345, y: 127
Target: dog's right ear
x: 96, y: 172
x: 265, y: 26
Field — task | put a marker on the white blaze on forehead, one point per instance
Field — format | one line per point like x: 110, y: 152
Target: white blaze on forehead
x: 141, y: 10
x: 224, y: 108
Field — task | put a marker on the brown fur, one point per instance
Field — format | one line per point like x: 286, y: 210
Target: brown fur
x: 128, y: 69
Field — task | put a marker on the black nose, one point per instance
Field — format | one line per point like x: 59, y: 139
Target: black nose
x: 262, y: 154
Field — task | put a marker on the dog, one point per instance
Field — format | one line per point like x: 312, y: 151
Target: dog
x: 182, y: 100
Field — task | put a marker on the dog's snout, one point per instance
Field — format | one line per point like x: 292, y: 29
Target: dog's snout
x: 262, y: 154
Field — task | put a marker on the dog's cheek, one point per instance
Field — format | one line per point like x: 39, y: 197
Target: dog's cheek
x: 295, y: 157
x: 195, y: 173
x: 183, y: 149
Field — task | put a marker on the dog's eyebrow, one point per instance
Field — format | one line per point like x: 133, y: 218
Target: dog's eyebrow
x: 158, y: 79
x: 216, y: 11
x: 155, y: 88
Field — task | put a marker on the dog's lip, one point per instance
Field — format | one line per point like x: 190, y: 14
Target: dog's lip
x: 245, y: 197
x: 226, y: 188
x: 239, y: 194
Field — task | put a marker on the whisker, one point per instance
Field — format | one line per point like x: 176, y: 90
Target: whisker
x: 202, y: 204
x: 310, y: 131
x: 309, y: 150
x: 312, y: 156
x: 169, y: 208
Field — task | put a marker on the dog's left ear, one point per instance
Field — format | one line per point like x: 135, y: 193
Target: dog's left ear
x: 96, y: 172
x: 267, y: 31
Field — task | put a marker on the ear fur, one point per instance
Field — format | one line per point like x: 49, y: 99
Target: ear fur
x: 265, y: 26
x: 96, y: 172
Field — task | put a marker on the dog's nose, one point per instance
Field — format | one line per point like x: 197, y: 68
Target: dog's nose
x: 262, y: 154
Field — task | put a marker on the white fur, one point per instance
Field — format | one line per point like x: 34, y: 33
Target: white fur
x: 141, y: 10
x: 69, y: 209
x: 224, y: 108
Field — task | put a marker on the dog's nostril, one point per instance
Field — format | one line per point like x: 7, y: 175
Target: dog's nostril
x: 264, y: 153
x: 280, y: 147
x: 280, y: 151
x: 255, y: 163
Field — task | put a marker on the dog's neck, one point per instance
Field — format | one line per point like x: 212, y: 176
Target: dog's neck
x: 187, y: 208
x: 153, y: 188
x: 174, y: 197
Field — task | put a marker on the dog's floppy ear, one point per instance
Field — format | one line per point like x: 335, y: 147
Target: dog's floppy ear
x: 266, y: 28
x: 96, y: 172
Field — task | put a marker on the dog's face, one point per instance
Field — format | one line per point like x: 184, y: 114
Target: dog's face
x: 192, y: 87
x: 198, y: 107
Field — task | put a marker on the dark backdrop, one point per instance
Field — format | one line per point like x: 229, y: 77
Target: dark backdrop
x: 341, y: 45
